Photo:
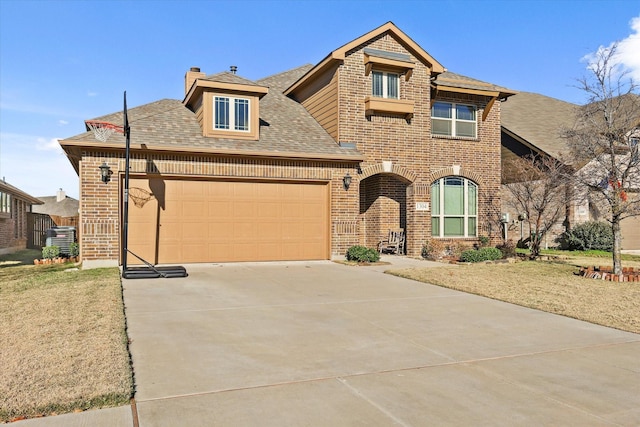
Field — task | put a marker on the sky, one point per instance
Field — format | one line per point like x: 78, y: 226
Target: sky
x: 63, y: 62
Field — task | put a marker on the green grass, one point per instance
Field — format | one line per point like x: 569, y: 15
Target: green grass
x: 63, y: 340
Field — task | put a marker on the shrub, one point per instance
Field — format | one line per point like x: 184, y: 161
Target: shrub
x: 74, y: 249
x: 508, y: 249
x: 482, y: 254
x: 484, y: 241
x: 50, y: 252
x: 589, y: 235
x: 433, y: 249
x: 362, y: 254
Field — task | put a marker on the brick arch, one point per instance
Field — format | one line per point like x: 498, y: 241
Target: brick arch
x: 472, y: 175
x: 378, y: 168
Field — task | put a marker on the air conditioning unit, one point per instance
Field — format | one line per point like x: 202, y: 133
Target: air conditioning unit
x: 62, y: 237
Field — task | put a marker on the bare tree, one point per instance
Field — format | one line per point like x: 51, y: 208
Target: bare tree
x: 604, y: 140
x: 541, y: 194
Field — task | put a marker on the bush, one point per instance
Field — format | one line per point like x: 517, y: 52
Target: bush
x: 362, y: 254
x: 587, y: 236
x: 433, y: 249
x: 74, y: 249
x: 484, y: 241
x: 508, y: 249
x: 50, y: 252
x: 482, y: 254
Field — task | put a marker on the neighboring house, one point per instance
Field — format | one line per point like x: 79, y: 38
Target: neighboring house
x: 300, y: 165
x: 15, y: 205
x: 532, y: 124
x: 62, y: 209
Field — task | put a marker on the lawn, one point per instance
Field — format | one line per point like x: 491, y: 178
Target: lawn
x: 548, y: 286
x: 63, y: 345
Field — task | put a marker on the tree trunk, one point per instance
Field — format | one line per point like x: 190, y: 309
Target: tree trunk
x: 617, y: 246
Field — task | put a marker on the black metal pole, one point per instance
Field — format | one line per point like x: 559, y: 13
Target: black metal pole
x: 125, y: 208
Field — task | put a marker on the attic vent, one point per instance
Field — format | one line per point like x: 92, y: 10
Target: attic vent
x: 233, y: 69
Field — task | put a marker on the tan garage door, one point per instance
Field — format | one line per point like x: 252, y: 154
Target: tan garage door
x: 630, y: 228
x: 225, y: 221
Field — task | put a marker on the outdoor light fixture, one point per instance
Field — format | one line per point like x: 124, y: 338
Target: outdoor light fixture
x: 346, y: 181
x: 105, y: 172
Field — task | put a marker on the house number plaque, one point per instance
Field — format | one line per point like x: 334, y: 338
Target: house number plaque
x: 422, y: 206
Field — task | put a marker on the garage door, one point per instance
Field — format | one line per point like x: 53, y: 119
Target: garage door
x: 224, y: 221
x: 630, y: 228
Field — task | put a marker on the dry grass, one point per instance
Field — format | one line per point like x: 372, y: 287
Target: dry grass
x: 546, y: 286
x: 63, y: 342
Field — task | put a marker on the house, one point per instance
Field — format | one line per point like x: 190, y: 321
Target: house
x: 300, y: 165
x: 62, y: 209
x: 15, y: 206
x: 532, y: 125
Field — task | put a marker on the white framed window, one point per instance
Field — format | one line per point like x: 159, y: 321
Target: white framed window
x: 449, y: 119
x: 454, y: 207
x: 385, y: 85
x: 5, y: 202
x: 231, y: 113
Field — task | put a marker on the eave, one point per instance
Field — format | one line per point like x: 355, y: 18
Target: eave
x: 341, y: 53
x: 201, y: 85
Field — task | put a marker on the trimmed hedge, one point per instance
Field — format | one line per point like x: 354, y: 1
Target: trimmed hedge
x: 362, y: 254
x: 482, y: 254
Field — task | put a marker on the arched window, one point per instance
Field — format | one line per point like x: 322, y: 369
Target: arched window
x: 454, y: 207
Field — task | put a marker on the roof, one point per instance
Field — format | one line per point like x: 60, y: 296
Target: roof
x: 286, y: 128
x: 340, y: 54
x: 449, y: 80
x: 5, y: 187
x: 537, y: 120
x: 67, y: 207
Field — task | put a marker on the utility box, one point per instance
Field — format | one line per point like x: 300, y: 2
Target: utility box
x: 62, y: 237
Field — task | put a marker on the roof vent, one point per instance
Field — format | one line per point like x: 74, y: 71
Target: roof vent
x: 233, y: 69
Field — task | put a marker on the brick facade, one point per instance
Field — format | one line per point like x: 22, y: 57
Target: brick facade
x: 13, y: 224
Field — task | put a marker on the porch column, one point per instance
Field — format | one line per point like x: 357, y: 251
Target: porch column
x: 418, y: 218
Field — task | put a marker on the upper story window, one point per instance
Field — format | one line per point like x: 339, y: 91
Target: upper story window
x: 385, y: 85
x: 5, y: 202
x: 231, y: 113
x: 451, y: 119
x: 454, y: 207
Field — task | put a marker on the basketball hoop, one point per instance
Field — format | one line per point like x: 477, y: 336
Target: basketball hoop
x: 103, y: 130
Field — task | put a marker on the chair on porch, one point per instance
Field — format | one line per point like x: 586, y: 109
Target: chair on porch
x: 394, y: 243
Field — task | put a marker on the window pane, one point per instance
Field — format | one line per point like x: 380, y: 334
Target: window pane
x: 435, y: 198
x: 241, y: 114
x: 453, y: 197
x: 440, y: 127
x: 376, y: 86
x: 441, y: 109
x: 435, y: 226
x: 472, y: 195
x: 466, y: 129
x: 465, y: 112
x: 454, y: 226
x: 472, y: 227
x: 221, y: 113
x: 392, y: 86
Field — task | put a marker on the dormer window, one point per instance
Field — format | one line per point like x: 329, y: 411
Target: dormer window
x: 231, y: 113
x: 385, y: 84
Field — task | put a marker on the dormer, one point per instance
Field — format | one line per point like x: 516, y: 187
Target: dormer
x: 226, y: 105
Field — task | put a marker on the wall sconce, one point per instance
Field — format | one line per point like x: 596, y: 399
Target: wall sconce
x: 105, y: 172
x: 346, y: 181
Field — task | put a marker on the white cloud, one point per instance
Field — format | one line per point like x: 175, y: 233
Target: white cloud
x: 44, y: 144
x: 63, y: 122
x: 627, y: 54
x: 91, y: 93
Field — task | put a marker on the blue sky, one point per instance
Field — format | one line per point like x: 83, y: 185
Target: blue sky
x: 62, y: 62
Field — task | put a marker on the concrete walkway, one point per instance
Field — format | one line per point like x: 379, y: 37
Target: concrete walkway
x: 323, y: 344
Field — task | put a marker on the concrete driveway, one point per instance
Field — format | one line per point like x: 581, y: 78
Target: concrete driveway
x: 322, y: 344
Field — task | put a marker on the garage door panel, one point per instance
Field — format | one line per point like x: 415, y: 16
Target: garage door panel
x: 222, y: 221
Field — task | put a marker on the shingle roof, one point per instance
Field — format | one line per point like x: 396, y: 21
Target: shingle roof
x: 228, y: 77
x: 67, y: 207
x: 285, y: 125
x: 458, y: 80
x: 5, y: 187
x: 539, y: 119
